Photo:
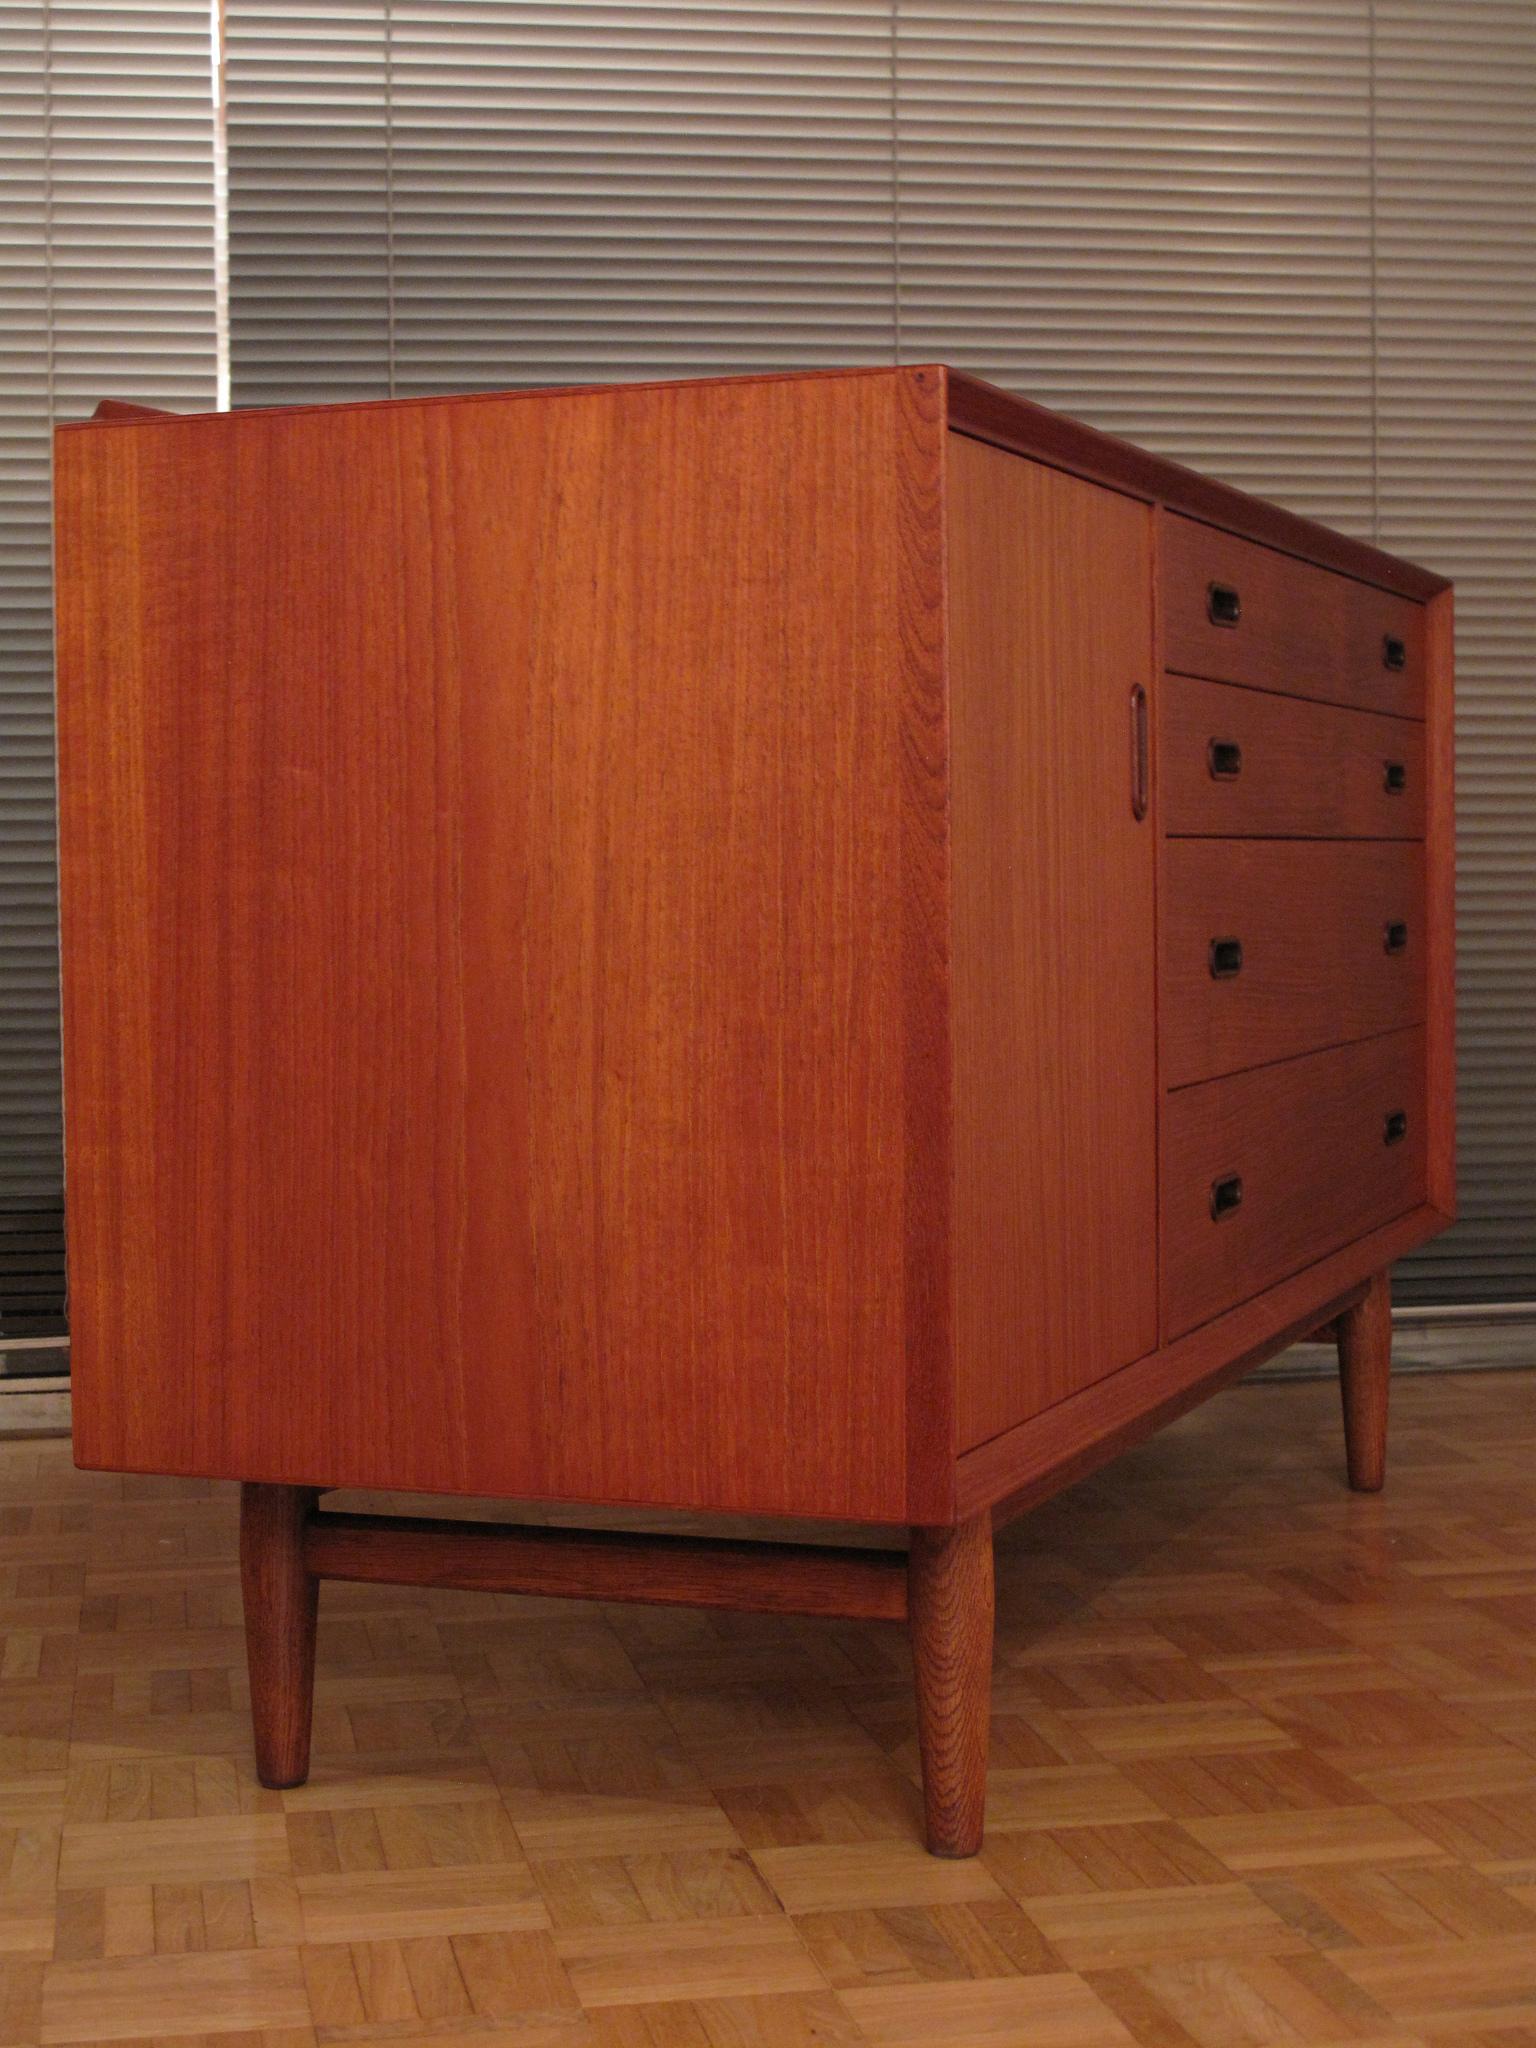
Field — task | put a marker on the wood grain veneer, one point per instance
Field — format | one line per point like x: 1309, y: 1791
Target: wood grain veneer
x: 1302, y: 630
x: 1312, y: 920
x: 1006, y: 420
x: 280, y: 1595
x: 950, y: 1604
x: 1055, y: 1072
x: 1365, y: 1372
x: 1019, y: 1469
x: 126, y: 409
x: 496, y: 1064
x: 1307, y: 1139
x: 611, y: 955
x: 690, y: 1571
x: 1307, y: 771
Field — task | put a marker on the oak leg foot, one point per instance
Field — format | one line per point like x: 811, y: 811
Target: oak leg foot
x: 949, y: 1593
x: 280, y: 1605
x: 1365, y: 1367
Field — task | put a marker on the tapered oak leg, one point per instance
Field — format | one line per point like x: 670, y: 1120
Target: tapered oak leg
x: 949, y: 1593
x: 280, y: 1605
x: 1365, y: 1366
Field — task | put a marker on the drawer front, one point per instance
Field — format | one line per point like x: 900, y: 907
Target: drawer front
x: 1265, y: 1172
x: 1236, y: 612
x: 1273, y: 948
x: 1237, y: 763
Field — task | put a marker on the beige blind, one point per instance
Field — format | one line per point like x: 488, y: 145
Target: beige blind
x: 455, y: 195
x: 1456, y: 460
x: 1295, y: 246
x: 1156, y: 218
x: 1289, y: 243
x: 107, y: 287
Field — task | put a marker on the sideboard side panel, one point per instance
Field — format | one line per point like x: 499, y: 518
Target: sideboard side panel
x: 486, y: 990
x: 1050, y: 628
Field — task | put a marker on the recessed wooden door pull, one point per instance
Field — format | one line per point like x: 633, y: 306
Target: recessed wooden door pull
x: 1141, y: 754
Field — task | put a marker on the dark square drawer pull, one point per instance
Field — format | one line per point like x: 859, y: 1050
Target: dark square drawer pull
x: 1394, y: 652
x: 1394, y: 937
x: 1226, y: 958
x: 1395, y: 1129
x: 1226, y: 1195
x: 1224, y: 758
x: 1223, y: 606
x: 1395, y: 779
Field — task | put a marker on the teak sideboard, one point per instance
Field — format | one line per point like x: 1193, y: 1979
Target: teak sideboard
x: 829, y: 947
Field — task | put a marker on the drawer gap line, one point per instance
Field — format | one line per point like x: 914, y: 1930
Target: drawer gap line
x: 1291, y: 1058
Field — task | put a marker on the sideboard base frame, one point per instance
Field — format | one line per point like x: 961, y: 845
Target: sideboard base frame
x: 941, y: 1587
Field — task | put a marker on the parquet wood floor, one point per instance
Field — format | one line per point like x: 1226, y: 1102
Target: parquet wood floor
x: 1264, y: 1771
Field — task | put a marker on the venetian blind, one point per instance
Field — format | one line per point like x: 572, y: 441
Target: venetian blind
x: 1456, y: 438
x: 1155, y: 217
x: 106, y: 182
x: 1289, y: 243
x: 453, y: 195
x: 1295, y: 246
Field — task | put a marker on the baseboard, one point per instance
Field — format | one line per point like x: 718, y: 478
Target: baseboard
x: 33, y: 1413
x: 1481, y: 1337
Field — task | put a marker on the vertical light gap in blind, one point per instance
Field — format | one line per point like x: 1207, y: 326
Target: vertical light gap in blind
x: 47, y: 169
x: 220, y: 203
x: 1375, y: 347
x: 391, y: 385
x: 896, y: 340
